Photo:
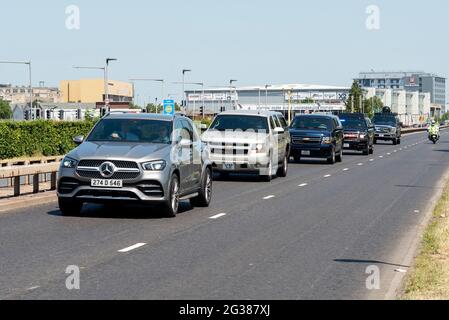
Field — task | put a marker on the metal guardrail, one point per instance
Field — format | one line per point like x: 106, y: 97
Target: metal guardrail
x: 14, y: 173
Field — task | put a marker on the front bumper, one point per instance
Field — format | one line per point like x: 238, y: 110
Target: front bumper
x: 148, y: 187
x: 309, y: 151
x: 385, y: 136
x: 250, y: 163
x: 357, y: 145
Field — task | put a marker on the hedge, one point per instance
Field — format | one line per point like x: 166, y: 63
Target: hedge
x: 39, y: 138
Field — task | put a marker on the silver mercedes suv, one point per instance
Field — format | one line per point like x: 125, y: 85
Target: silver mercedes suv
x: 137, y: 158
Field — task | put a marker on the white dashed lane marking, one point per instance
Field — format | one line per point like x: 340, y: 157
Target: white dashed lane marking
x: 218, y: 216
x: 327, y: 176
x: 134, y: 247
x: 269, y: 197
x: 346, y: 169
x: 302, y: 185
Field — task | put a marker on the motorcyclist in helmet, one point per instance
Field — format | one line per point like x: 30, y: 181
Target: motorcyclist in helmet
x: 434, y: 129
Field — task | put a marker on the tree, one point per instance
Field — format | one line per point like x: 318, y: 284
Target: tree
x: 5, y: 110
x: 357, y: 103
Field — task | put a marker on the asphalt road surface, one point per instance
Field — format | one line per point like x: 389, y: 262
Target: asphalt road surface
x: 311, y: 235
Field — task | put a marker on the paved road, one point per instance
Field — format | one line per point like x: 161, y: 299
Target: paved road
x: 308, y: 236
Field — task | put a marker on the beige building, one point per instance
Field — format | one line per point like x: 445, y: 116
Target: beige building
x: 92, y: 91
x: 21, y: 95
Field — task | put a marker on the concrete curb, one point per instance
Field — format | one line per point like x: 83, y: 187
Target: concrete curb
x: 10, y: 204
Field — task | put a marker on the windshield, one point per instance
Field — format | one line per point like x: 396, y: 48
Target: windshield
x: 239, y: 122
x: 353, y: 124
x: 384, y: 121
x: 126, y: 130
x: 312, y: 123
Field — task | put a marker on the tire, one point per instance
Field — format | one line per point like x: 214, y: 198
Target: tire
x: 69, y: 207
x: 171, y: 205
x: 374, y: 141
x: 332, y: 158
x: 283, y: 170
x: 205, y: 194
x: 371, y: 150
x: 267, y: 178
x: 367, y: 150
x: 399, y: 141
x: 395, y: 142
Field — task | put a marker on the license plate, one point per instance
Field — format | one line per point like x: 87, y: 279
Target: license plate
x: 381, y: 135
x: 346, y: 145
x: 229, y: 166
x: 106, y: 183
x: 305, y: 153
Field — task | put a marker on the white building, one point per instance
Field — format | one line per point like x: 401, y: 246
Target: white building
x: 413, y: 107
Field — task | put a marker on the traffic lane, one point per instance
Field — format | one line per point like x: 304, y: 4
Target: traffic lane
x: 316, y: 251
x: 91, y: 237
x: 237, y: 184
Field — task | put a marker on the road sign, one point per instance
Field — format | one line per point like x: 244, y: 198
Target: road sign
x: 169, y: 107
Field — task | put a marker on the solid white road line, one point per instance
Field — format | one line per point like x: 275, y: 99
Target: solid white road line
x: 136, y: 246
x: 302, y: 185
x: 269, y: 197
x: 218, y: 216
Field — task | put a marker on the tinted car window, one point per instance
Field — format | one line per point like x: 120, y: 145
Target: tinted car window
x: 283, y: 122
x: 126, y: 130
x: 385, y: 120
x: 353, y: 123
x: 312, y: 123
x: 235, y: 122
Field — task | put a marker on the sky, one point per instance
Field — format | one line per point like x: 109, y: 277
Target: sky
x: 256, y: 42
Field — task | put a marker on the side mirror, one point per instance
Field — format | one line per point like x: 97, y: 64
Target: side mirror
x: 78, y: 140
x: 279, y: 130
x: 185, y: 143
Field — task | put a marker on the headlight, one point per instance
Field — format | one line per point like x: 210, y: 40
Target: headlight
x: 154, y: 165
x: 393, y: 130
x: 258, y: 147
x: 69, y: 163
x: 327, y: 140
x: 362, y: 136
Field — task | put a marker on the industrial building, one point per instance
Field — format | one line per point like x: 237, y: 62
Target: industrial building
x: 302, y: 98
x: 93, y: 90
x: 410, y: 81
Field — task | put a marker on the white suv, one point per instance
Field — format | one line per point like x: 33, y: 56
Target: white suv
x: 249, y: 141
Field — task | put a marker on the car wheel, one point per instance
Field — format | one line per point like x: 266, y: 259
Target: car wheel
x: 69, y: 207
x: 399, y: 141
x: 371, y: 150
x: 395, y: 142
x: 172, y: 203
x: 282, y: 171
x: 205, y: 193
x: 339, y: 158
x: 267, y: 178
x: 367, y: 150
x: 331, y: 159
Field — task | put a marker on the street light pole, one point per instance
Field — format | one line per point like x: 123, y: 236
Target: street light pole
x: 30, y: 79
x: 230, y: 90
x: 183, y: 97
x: 107, y: 81
x: 162, y: 81
x: 266, y: 95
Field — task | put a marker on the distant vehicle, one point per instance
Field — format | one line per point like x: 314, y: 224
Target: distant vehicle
x: 388, y: 127
x: 137, y: 158
x: 358, y: 132
x: 249, y: 142
x: 317, y: 136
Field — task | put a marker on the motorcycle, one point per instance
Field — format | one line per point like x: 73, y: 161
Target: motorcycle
x: 434, y: 138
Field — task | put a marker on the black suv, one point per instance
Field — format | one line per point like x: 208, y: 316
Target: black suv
x: 317, y: 136
x: 358, y: 132
x: 388, y: 127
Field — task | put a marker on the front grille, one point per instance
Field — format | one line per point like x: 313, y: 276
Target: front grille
x: 118, y: 164
x: 306, y: 140
x: 116, y: 176
x: 230, y: 148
